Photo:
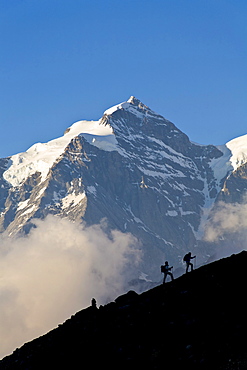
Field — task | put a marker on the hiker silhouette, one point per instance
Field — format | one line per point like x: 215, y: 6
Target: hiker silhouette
x: 187, y: 259
x: 165, y: 269
x: 93, y: 303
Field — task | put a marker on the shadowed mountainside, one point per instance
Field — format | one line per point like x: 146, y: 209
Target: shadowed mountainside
x: 198, y: 321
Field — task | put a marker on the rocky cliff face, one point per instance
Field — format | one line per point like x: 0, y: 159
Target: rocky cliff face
x: 235, y: 186
x: 132, y: 167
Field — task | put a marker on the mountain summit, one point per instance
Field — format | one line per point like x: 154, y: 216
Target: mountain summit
x: 132, y: 167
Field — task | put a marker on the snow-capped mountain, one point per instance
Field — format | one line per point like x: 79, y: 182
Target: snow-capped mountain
x: 132, y: 167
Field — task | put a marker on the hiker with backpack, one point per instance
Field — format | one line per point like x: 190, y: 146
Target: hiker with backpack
x: 165, y: 269
x: 187, y: 259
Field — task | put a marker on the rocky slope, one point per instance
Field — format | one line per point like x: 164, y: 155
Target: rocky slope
x: 198, y: 321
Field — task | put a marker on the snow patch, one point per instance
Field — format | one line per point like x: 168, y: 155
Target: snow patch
x: 22, y: 205
x: 72, y: 200
x: 29, y: 210
x: 124, y: 105
x: 92, y: 190
x: 172, y: 213
x: 222, y: 166
x: 107, y: 142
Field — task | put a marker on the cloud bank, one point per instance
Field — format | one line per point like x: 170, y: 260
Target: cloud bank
x: 53, y: 272
x: 227, y: 227
x: 227, y: 218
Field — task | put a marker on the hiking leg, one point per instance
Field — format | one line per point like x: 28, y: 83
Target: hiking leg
x: 169, y: 275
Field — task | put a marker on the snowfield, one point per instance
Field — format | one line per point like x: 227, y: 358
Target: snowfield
x: 41, y: 156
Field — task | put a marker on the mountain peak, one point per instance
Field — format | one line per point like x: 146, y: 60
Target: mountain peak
x: 134, y: 100
x: 132, y: 104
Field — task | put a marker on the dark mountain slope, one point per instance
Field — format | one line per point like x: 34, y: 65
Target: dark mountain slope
x: 197, y: 322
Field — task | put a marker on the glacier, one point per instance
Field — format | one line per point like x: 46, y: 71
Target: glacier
x: 41, y: 156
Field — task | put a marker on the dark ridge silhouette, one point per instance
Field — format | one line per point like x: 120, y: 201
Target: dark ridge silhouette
x: 198, y: 321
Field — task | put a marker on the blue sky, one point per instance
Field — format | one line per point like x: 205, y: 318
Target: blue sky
x: 66, y: 60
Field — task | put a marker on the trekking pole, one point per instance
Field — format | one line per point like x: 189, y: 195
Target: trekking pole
x: 195, y: 262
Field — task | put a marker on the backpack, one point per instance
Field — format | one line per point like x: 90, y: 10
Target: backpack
x: 186, y: 258
x: 162, y: 268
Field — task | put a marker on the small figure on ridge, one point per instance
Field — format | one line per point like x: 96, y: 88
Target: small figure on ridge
x: 187, y: 259
x: 165, y: 269
x: 93, y: 303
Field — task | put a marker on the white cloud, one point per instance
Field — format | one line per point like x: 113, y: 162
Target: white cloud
x: 226, y: 228
x: 226, y: 218
x: 53, y: 272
